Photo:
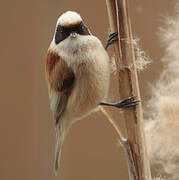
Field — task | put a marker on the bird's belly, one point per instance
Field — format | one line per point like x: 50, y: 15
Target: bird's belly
x: 90, y: 88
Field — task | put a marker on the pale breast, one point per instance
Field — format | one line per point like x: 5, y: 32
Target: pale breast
x: 90, y: 88
x: 90, y: 63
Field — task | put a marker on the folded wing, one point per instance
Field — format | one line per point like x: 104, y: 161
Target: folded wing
x: 60, y: 80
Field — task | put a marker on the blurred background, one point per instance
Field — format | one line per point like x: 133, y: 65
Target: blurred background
x: 27, y: 136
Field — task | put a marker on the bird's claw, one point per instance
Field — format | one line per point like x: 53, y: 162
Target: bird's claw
x: 125, y: 103
x: 113, y: 37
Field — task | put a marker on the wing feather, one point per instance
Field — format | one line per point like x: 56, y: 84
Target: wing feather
x: 60, y: 79
x: 58, y: 102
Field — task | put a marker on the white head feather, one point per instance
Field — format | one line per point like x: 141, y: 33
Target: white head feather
x: 69, y: 18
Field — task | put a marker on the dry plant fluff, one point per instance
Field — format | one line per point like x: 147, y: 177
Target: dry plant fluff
x: 142, y: 60
x: 162, y: 129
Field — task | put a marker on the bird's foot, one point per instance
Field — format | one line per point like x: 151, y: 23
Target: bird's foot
x: 125, y: 103
x: 113, y: 37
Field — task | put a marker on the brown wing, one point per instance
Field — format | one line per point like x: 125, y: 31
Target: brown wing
x: 60, y: 82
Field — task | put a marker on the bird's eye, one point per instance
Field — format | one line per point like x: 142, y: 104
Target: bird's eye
x: 59, y: 29
x: 83, y: 30
x: 82, y: 27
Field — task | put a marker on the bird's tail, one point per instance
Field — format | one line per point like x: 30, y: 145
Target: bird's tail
x: 58, y: 148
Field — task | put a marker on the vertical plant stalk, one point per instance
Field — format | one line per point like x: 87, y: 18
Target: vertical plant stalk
x: 135, y: 146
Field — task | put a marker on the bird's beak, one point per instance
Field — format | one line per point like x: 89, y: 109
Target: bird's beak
x: 73, y: 34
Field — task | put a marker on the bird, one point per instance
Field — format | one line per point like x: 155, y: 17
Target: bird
x: 78, y: 74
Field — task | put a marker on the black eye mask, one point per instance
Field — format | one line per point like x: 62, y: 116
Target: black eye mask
x: 63, y: 32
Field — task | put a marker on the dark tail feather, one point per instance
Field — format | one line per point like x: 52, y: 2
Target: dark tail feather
x: 58, y: 148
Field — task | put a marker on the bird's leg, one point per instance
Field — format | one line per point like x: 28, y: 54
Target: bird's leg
x: 125, y: 103
x: 113, y: 37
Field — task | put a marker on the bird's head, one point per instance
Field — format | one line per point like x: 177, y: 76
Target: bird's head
x: 69, y: 24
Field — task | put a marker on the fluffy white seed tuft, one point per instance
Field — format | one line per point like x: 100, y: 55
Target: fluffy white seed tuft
x: 162, y: 129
